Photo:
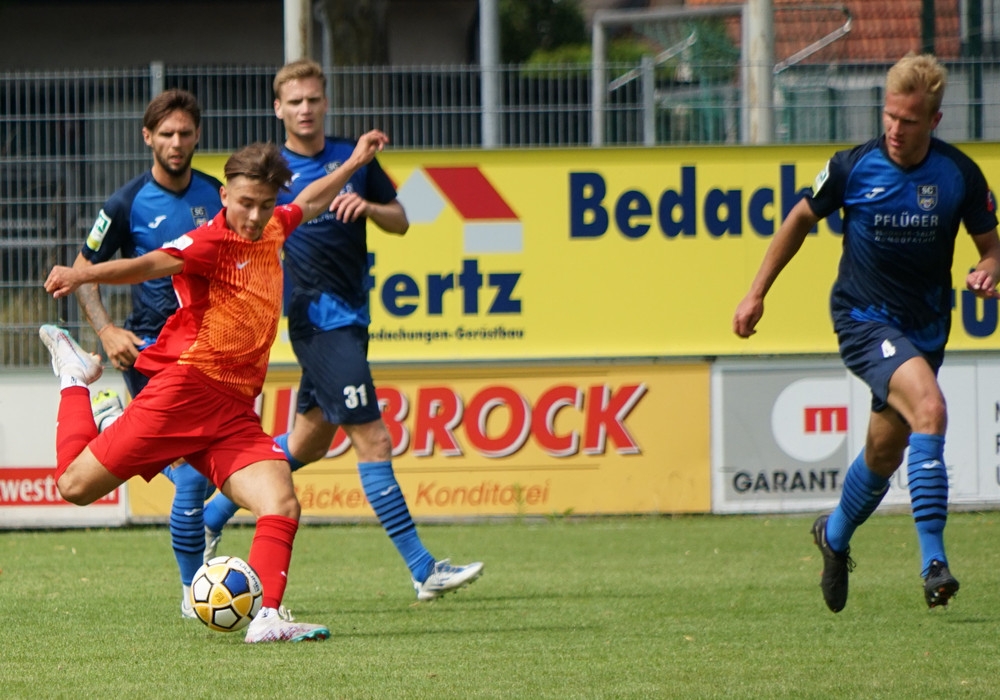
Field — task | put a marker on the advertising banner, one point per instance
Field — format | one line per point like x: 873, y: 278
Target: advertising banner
x: 28, y: 495
x: 608, y: 253
x: 539, y: 440
x: 785, y: 432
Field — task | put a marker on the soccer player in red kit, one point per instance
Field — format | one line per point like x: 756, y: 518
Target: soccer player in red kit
x: 206, y: 368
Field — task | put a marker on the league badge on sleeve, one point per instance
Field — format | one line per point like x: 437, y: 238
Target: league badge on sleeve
x: 821, y: 178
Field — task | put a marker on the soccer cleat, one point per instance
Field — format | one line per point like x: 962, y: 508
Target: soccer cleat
x: 211, y: 543
x: 445, y: 577
x: 107, y: 407
x: 835, y: 568
x: 68, y: 358
x: 272, y: 625
x: 187, y: 610
x: 939, y: 584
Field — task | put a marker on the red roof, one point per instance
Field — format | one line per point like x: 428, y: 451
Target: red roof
x: 882, y: 30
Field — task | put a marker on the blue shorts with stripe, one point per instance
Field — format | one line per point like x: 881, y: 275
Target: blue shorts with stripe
x: 336, y: 376
x: 874, y: 351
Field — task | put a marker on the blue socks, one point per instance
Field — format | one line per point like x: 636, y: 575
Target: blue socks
x: 928, y: 480
x: 382, y: 490
x: 187, y: 529
x: 863, y: 491
x: 386, y: 498
x: 220, y: 509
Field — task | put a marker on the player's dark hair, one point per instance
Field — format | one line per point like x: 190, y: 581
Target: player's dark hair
x: 160, y: 107
x: 298, y: 70
x: 259, y: 161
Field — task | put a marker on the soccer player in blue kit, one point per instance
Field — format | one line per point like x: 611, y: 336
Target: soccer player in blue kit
x: 904, y: 195
x: 159, y: 205
x: 326, y: 261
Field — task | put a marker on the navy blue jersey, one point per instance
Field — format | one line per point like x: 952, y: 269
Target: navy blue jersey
x: 899, y: 234
x: 326, y: 260
x: 141, y: 216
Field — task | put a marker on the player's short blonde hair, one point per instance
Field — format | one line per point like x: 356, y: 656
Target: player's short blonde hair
x: 298, y: 70
x: 919, y: 73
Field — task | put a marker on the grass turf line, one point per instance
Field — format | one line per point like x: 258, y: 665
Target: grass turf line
x: 642, y: 607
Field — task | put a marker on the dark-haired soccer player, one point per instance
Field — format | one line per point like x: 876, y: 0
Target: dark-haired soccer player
x: 168, y: 200
x: 327, y: 262
x: 904, y: 195
x: 206, y: 368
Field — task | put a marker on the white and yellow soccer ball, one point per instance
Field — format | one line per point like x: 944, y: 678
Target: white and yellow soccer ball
x: 226, y: 594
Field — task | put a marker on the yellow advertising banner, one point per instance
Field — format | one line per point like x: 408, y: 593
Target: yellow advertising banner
x: 531, y: 440
x: 608, y: 253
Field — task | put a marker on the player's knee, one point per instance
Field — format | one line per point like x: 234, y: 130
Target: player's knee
x: 285, y: 505
x: 74, y: 490
x: 932, y: 416
x: 373, y: 444
x: 312, y: 452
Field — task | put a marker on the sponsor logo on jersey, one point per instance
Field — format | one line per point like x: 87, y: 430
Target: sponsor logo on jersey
x: 98, y: 231
x: 876, y: 191
x: 155, y: 223
x: 927, y: 196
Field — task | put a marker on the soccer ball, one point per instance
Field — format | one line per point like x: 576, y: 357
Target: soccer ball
x: 226, y: 594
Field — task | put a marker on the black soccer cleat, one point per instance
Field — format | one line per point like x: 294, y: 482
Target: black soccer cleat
x: 836, y: 566
x: 939, y: 584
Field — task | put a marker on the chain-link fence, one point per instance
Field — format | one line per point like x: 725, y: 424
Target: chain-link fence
x: 67, y: 140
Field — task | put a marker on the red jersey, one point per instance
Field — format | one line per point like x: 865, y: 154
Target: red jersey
x: 230, y: 300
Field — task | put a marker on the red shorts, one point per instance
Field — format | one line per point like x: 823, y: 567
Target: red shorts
x: 183, y: 413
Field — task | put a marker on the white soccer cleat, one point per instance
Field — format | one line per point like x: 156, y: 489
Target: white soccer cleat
x: 211, y: 543
x: 107, y: 407
x: 445, y: 578
x: 272, y: 625
x: 187, y: 610
x: 68, y: 358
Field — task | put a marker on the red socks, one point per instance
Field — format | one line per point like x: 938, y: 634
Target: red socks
x: 270, y: 554
x: 75, y: 426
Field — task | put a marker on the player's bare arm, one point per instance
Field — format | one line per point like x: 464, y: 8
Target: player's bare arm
x: 318, y: 195
x: 120, y: 344
x: 63, y: 281
x: 784, y: 246
x: 390, y: 217
x: 982, y: 281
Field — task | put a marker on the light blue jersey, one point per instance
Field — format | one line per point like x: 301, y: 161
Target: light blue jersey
x: 899, y: 234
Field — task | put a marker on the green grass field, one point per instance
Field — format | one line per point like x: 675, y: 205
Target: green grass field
x: 686, y: 607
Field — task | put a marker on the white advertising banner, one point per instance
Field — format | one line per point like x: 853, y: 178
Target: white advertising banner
x: 784, y: 432
x: 28, y: 495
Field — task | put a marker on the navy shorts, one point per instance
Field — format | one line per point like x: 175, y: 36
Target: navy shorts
x: 336, y: 376
x: 874, y: 351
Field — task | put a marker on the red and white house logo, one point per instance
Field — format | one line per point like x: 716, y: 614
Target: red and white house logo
x: 490, y: 224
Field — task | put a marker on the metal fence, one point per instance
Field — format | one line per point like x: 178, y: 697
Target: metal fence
x: 69, y: 139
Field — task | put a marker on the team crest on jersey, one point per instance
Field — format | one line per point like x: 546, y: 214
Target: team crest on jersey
x: 200, y: 215
x: 927, y: 196
x: 330, y: 167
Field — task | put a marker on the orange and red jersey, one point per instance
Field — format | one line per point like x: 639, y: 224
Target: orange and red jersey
x: 230, y: 300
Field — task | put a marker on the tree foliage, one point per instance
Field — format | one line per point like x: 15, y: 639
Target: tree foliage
x: 527, y: 26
